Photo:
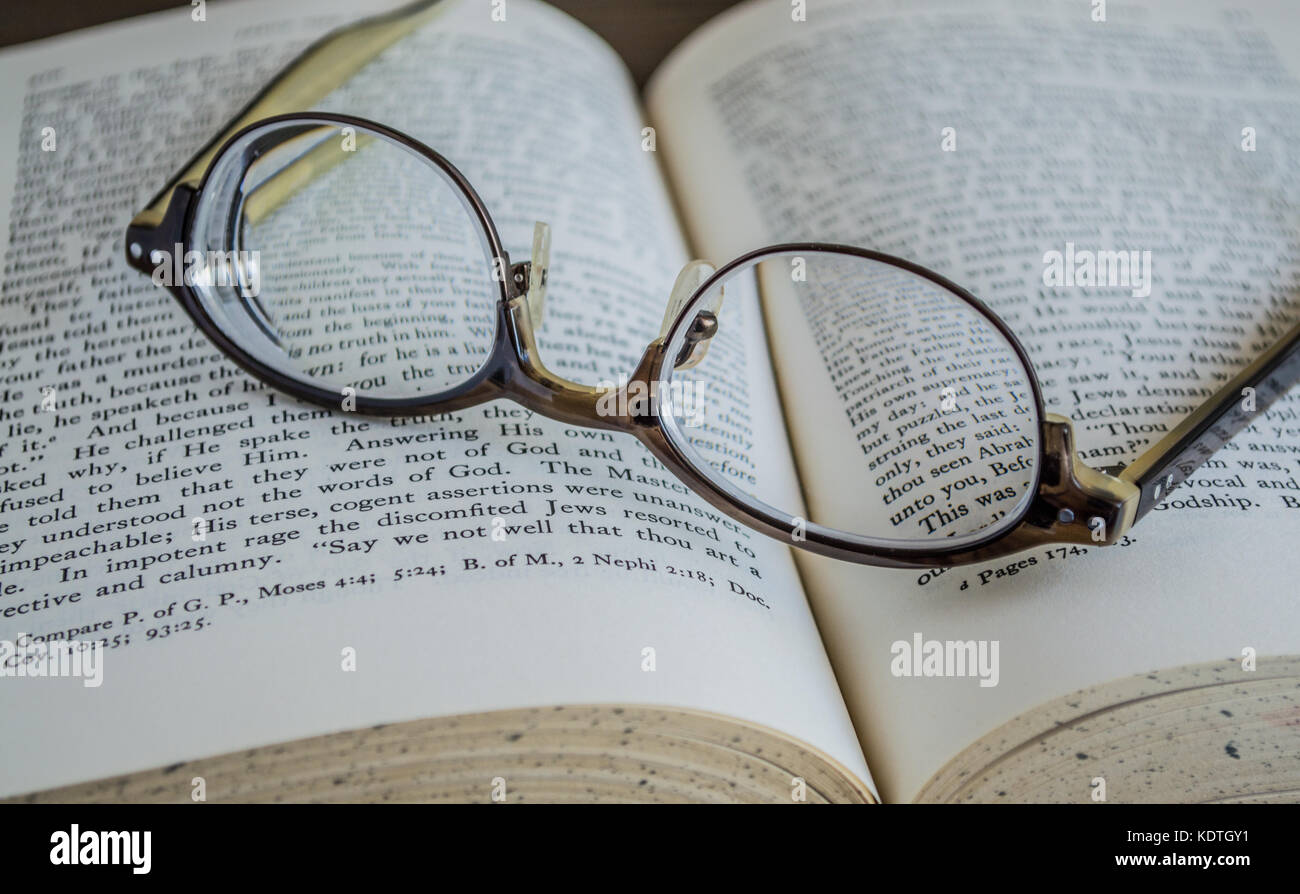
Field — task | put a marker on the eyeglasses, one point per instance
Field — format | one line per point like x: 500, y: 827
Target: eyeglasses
x: 918, y: 419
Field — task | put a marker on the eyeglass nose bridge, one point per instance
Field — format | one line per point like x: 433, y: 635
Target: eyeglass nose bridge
x: 531, y: 278
x: 526, y: 378
x: 606, y: 405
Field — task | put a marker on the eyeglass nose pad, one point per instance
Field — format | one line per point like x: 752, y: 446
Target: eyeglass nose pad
x: 705, y: 325
x: 537, y: 272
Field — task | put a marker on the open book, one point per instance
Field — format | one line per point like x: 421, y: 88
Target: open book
x: 348, y: 627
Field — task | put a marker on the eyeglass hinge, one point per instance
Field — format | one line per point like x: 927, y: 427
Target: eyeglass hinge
x: 143, y: 238
x: 1080, y: 504
x: 519, y: 276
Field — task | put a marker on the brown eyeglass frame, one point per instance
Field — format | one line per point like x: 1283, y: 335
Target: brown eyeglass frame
x: 1072, y: 503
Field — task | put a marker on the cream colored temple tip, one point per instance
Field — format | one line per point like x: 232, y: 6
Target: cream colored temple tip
x: 537, y: 273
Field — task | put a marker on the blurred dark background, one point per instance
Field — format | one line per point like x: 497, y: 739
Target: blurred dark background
x: 643, y: 31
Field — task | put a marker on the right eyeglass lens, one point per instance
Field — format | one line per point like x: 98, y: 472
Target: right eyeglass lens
x: 912, y: 417
x: 345, y: 259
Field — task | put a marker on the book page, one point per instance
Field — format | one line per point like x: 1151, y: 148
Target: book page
x: 346, y: 572
x: 977, y: 140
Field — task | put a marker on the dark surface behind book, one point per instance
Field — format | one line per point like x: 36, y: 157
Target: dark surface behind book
x: 643, y: 31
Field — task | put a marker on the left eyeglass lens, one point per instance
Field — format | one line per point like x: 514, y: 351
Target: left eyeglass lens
x: 342, y: 258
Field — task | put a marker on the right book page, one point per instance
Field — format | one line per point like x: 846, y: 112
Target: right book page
x: 981, y: 141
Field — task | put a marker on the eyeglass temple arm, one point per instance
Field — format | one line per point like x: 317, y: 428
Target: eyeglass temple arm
x: 310, y: 77
x: 1214, y: 423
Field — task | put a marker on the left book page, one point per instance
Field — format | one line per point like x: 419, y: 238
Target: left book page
x: 305, y: 609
